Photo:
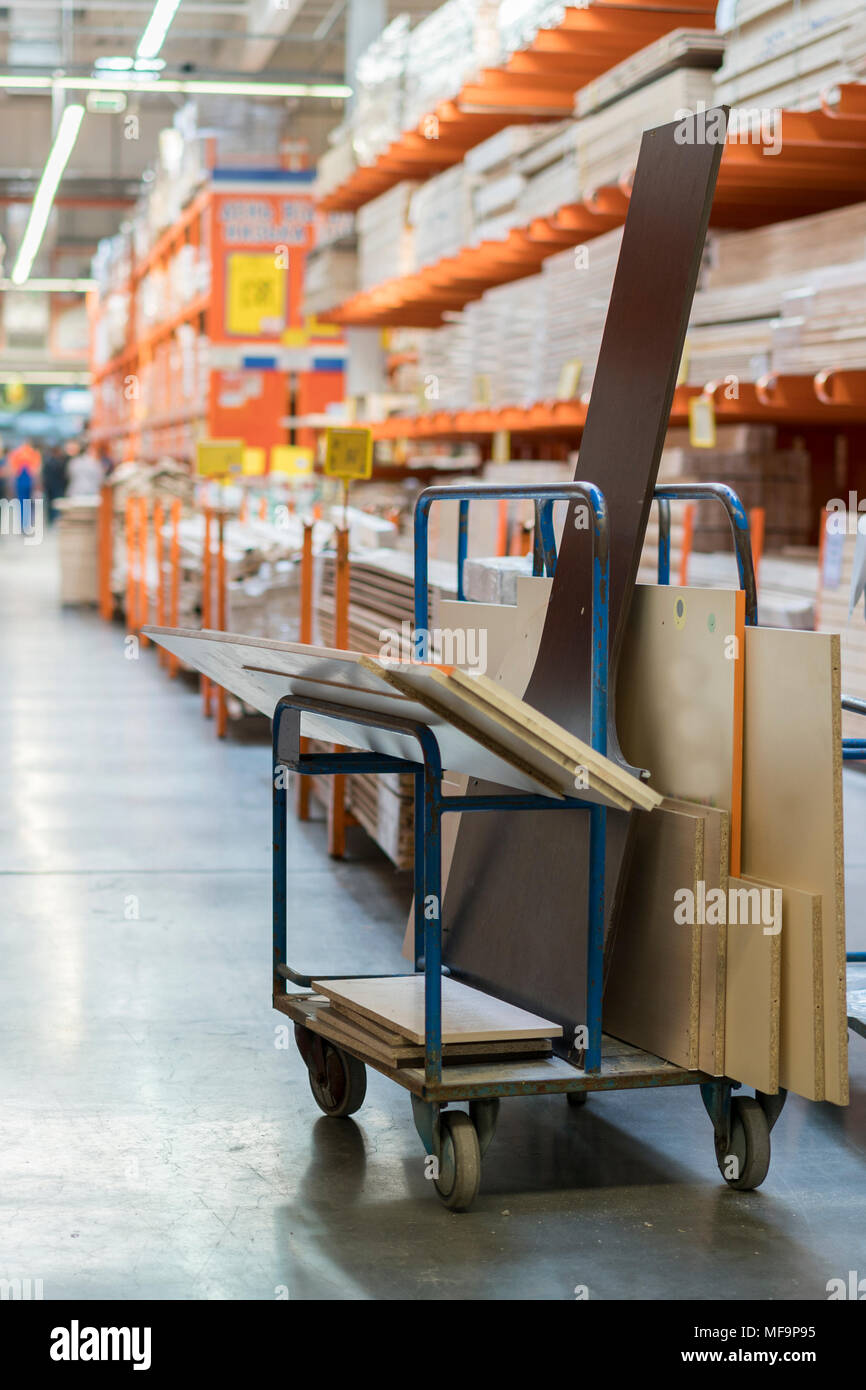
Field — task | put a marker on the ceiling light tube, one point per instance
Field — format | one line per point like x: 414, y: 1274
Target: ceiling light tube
x: 158, y: 26
x: 58, y: 157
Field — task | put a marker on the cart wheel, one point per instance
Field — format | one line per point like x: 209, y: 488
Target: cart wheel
x: 576, y: 1099
x: 459, y: 1161
x: 749, y: 1144
x: 341, y: 1086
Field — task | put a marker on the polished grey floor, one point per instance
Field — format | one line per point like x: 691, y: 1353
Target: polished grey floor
x: 157, y: 1141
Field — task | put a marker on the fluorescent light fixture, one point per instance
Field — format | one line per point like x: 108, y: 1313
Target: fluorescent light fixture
x: 130, y: 82
x: 113, y: 64
x: 56, y: 284
x: 58, y: 157
x: 158, y: 26
x: 50, y: 377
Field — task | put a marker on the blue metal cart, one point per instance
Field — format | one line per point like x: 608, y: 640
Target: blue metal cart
x: 458, y: 1138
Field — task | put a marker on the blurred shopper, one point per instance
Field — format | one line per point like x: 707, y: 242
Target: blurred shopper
x: 24, y: 464
x: 85, y: 474
x: 54, y: 477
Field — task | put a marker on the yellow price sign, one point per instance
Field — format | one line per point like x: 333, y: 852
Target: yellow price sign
x: 255, y: 295
x: 702, y: 422
x: 215, y: 458
x: 348, y: 453
x: 569, y: 379
x: 254, y: 462
x: 291, y: 459
x: 501, y: 446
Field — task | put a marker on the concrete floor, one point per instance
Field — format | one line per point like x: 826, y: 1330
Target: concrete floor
x: 157, y: 1143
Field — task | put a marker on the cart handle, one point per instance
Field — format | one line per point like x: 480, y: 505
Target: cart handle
x: 544, y: 495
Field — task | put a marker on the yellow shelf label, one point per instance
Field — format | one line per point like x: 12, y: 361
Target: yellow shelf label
x: 216, y: 458
x: 255, y: 295
x: 348, y: 453
x: 254, y: 462
x: 291, y: 459
x: 702, y: 422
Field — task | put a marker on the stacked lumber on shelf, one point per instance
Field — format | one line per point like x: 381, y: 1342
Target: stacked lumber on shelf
x: 385, y: 243
x: 823, y: 324
x: 78, y: 549
x: 382, y: 1020
x: 838, y: 547
x: 381, y: 597
x: 382, y: 802
x: 608, y: 140
x: 681, y: 48
x: 762, y: 475
x: 785, y: 53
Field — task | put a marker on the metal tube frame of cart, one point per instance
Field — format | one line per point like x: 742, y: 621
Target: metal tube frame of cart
x: 455, y: 1139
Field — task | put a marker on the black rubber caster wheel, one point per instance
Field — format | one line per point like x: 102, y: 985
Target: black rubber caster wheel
x: 459, y: 1161
x: 339, y: 1083
x: 577, y: 1099
x: 745, y: 1161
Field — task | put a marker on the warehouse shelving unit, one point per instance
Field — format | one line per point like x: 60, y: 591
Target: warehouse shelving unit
x: 243, y: 368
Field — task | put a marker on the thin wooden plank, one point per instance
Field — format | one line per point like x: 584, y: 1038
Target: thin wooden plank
x: 801, y: 1037
x: 752, y: 999
x: 467, y: 1014
x: 792, y: 799
x: 713, y: 933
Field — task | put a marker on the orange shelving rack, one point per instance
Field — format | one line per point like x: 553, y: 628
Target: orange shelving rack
x: 227, y: 360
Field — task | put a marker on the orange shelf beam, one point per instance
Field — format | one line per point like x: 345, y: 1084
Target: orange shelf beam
x: 821, y: 164
x: 537, y: 83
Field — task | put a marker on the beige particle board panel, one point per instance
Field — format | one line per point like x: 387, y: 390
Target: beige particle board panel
x: 404, y: 1053
x: 679, y: 696
x: 572, y: 752
x: 792, y: 799
x: 261, y: 671
x: 456, y: 698
x: 752, y: 998
x: 713, y: 932
x: 468, y: 1015
x: 801, y: 1036
x: 653, y: 975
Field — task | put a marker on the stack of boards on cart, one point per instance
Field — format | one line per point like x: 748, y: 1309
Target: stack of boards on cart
x: 382, y: 1020
x: 727, y: 951
x: 739, y: 728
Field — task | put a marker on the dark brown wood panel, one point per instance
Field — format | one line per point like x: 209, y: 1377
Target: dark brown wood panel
x: 517, y: 890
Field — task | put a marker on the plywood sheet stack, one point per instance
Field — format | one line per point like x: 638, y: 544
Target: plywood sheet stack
x: 550, y: 173
x: 834, y: 591
x: 382, y: 1020
x: 779, y: 480
x: 381, y: 597
x: 785, y: 53
x: 78, y: 549
x: 330, y: 276
x: 608, y: 140
x: 824, y: 324
x: 441, y: 215
x: 385, y: 244
x: 574, y: 293
x: 681, y: 48
x: 728, y: 949
x: 382, y: 803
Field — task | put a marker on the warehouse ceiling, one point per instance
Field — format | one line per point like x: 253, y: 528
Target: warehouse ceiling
x: 292, y: 40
